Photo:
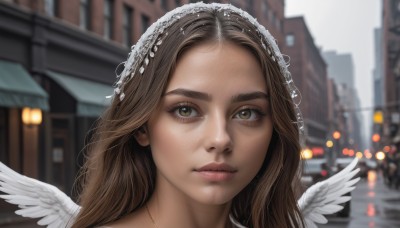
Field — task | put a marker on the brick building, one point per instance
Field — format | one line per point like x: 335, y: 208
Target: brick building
x: 309, y: 72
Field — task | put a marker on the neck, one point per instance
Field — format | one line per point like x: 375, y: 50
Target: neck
x: 169, y: 209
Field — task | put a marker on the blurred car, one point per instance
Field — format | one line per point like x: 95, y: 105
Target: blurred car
x: 342, y: 163
x: 314, y: 170
x: 364, y: 164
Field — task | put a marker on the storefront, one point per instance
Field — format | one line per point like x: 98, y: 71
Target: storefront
x: 65, y: 72
x: 19, y: 137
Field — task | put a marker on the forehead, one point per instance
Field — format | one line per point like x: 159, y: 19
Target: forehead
x: 214, y: 65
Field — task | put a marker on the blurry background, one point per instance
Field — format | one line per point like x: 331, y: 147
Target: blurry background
x: 58, y: 60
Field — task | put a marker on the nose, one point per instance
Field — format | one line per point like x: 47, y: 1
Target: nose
x: 218, y: 136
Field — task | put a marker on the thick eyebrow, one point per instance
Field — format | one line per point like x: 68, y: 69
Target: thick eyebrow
x: 190, y: 93
x: 204, y: 96
x: 249, y: 96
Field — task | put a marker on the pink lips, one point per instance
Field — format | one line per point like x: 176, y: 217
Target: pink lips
x: 216, y: 172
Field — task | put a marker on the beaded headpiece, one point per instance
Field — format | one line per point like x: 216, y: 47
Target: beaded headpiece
x: 147, y: 46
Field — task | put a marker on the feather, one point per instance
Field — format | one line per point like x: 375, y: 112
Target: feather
x: 324, y: 197
x: 37, y: 199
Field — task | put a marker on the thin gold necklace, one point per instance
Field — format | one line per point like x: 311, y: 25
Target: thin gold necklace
x: 151, y: 217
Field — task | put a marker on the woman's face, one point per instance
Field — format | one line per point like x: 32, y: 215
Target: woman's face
x: 212, y: 131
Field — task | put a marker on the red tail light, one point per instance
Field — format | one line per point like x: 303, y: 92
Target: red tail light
x: 324, y: 173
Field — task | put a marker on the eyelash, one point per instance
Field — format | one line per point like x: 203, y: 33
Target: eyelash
x: 174, y: 109
x: 253, y: 111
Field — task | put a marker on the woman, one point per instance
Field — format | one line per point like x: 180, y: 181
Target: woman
x: 202, y: 128
x: 203, y: 131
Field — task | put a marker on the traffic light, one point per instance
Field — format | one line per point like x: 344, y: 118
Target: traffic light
x: 376, y: 137
x: 378, y: 117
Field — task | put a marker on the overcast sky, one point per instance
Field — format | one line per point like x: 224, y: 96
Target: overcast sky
x: 347, y: 27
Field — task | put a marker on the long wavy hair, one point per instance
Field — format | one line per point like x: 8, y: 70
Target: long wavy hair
x: 119, y: 175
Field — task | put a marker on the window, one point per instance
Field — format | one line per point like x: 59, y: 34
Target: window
x: 250, y: 7
x: 108, y: 18
x: 280, y: 27
x: 51, y: 7
x: 264, y: 9
x: 164, y: 5
x: 289, y: 40
x: 4, y: 155
x: 272, y: 21
x: 145, y: 23
x: 127, y: 26
x: 84, y: 14
x: 236, y: 3
x: 277, y: 23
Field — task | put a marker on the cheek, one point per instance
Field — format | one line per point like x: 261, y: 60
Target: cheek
x: 253, y: 150
x: 170, y: 145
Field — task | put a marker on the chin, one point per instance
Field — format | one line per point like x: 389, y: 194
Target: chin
x: 215, y: 196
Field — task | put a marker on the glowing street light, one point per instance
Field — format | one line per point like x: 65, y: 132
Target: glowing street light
x: 376, y: 137
x: 386, y: 148
x: 380, y: 155
x: 359, y: 155
x: 336, y: 135
x: 329, y: 144
x: 306, y: 154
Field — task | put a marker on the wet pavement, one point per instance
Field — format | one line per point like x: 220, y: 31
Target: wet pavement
x: 373, y: 205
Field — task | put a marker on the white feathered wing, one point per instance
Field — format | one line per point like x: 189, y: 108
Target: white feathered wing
x: 40, y: 200
x: 324, y: 197
x: 37, y: 199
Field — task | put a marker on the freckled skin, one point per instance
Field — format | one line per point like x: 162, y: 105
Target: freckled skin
x: 215, y: 130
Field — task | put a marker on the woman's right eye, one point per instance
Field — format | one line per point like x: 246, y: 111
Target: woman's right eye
x: 184, y: 112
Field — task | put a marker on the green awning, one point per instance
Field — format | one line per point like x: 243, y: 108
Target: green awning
x: 90, y: 96
x: 18, y: 89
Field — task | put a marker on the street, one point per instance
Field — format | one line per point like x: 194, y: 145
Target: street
x: 373, y: 205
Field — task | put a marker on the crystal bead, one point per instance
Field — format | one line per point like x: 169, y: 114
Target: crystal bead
x: 122, y: 96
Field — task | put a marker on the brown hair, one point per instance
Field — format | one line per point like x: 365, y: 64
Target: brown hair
x: 119, y: 175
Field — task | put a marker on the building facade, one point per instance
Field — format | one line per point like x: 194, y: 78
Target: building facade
x: 309, y: 72
x: 336, y: 117
x: 391, y: 80
x: 341, y: 70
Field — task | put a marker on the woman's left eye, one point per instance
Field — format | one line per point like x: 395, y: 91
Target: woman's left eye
x: 248, y: 114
